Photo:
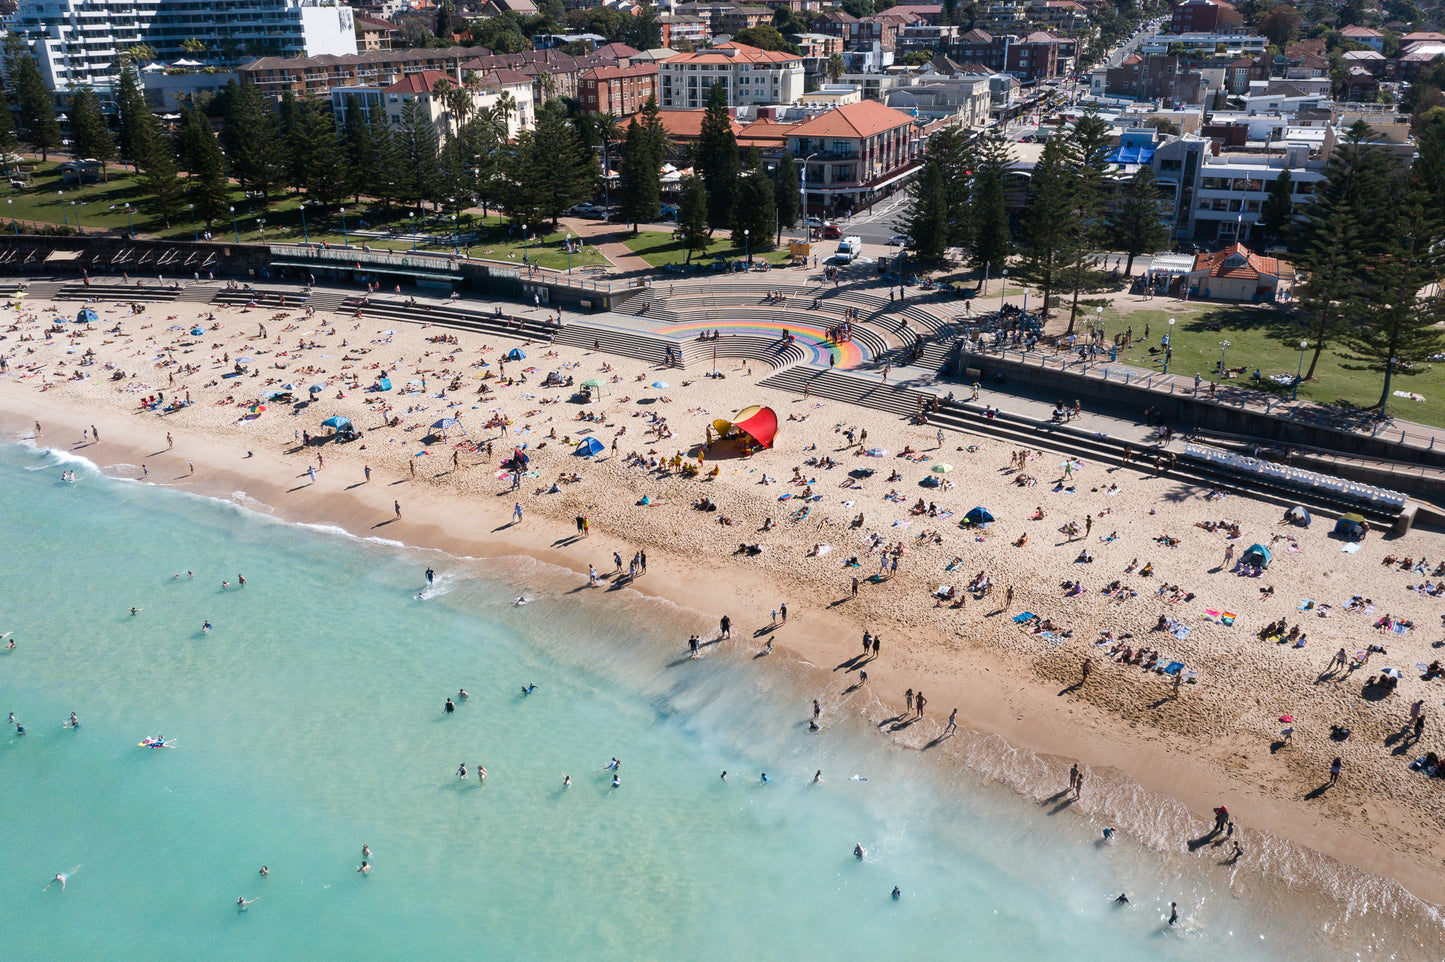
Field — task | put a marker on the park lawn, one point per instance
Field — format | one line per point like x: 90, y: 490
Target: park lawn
x: 1267, y: 338
x: 102, y: 205
x: 659, y: 249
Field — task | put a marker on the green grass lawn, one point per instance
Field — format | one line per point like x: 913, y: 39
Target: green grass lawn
x: 1267, y: 339
x: 102, y: 205
x: 659, y: 249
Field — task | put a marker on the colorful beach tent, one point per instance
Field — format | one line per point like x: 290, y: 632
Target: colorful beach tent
x: 1257, y: 554
x: 515, y: 354
x: 757, y: 422
x: 979, y: 516
x: 336, y: 423
x: 1298, y: 516
x: 1351, y: 526
x: 589, y: 447
x: 86, y: 316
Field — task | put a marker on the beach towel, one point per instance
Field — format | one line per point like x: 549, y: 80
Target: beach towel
x: 1305, y: 604
x: 954, y: 564
x: 1400, y: 629
x: 1351, y: 548
x: 902, y: 524
x: 1190, y: 675
x: 1227, y: 618
x: 1181, y: 632
x: 1027, y: 615
x: 944, y: 515
x: 1051, y: 637
x: 1211, y: 614
x: 1173, y: 668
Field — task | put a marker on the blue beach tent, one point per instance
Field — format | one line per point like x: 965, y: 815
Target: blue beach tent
x: 1257, y: 554
x: 589, y: 447
x: 86, y: 316
x: 979, y: 516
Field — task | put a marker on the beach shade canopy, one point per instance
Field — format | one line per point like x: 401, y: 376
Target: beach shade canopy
x: 316, y: 388
x: 1298, y: 516
x: 258, y: 409
x: 1257, y: 554
x: 941, y: 468
x: 592, y: 382
x: 336, y: 423
x: 86, y: 316
x: 384, y: 383
x: 268, y: 395
x: 197, y: 331
x: 515, y: 354
x: 447, y: 424
x: 1351, y: 526
x: 978, y: 516
x: 758, y: 423
x: 589, y: 447
x: 661, y: 385
x: 245, y: 360
x: 1352, y: 516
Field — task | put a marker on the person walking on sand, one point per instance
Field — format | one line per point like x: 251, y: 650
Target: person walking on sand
x: 1088, y: 670
x: 918, y: 703
x: 952, y: 725
x: 170, y: 441
x: 1078, y: 785
x: 517, y: 513
x: 396, y: 506
x: 1073, y: 775
x: 1228, y: 557
x: 1336, y: 767
x: 908, y: 700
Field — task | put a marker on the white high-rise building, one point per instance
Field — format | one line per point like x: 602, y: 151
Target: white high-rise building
x: 76, y: 42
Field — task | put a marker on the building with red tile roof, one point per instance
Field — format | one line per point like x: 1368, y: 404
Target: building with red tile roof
x: 1234, y: 274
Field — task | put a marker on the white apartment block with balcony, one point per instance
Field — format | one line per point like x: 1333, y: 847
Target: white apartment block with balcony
x: 750, y: 76
x: 77, y: 42
x: 1208, y: 44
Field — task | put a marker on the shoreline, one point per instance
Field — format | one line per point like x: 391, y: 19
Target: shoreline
x: 1003, y: 684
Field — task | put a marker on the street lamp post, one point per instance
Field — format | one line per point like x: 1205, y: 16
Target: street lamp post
x: 1223, y: 347
x: 747, y: 248
x: 1169, y: 345
x: 234, y: 229
x: 1299, y: 370
x: 1099, y: 324
x: 78, y: 225
x: 569, y: 252
x: 524, y: 243
x: 262, y: 223
x: 129, y: 220
x: 1003, y: 290
x: 195, y: 231
x: 305, y: 234
x: 345, y: 238
x: 63, y: 215
x: 411, y: 222
x: 455, y: 248
x: 803, y: 189
x: 13, y: 226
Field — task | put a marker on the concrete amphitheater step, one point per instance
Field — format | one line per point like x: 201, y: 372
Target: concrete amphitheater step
x: 1024, y: 431
x: 115, y: 292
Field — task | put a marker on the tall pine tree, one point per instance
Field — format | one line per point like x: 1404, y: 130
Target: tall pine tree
x: 1276, y: 214
x: 716, y: 157
x: 756, y: 211
x: 416, y: 153
x: 37, y: 107
x: 92, y: 139
x: 1137, y: 222
x: 785, y: 193
x: 252, y: 141
x: 1048, y: 237
x: 1088, y: 194
x: 927, y: 223
x: 155, y: 158
x: 206, y: 184
x: 692, y: 216
x: 639, y: 177
x: 991, y: 240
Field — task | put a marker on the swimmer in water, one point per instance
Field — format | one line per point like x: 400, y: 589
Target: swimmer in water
x: 1173, y: 912
x: 528, y: 689
x: 613, y: 765
x: 764, y: 779
x: 724, y: 776
x: 897, y: 893
x: 818, y: 777
x: 858, y: 851
x: 365, y: 852
x: 225, y: 585
x: 241, y: 580
x: 1123, y: 899
x: 207, y: 626
x: 364, y: 868
x: 430, y: 576
x: 566, y: 780
x: 462, y: 694
x: 62, y: 878
x: 449, y: 707
x: 521, y: 600
x: 1109, y: 832
x: 242, y: 902
x: 462, y: 770
x: 616, y: 781
x: 74, y: 722
x: 134, y: 612
x: 265, y: 871
x: 481, y: 774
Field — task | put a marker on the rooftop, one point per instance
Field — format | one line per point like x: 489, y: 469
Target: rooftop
x: 863, y: 119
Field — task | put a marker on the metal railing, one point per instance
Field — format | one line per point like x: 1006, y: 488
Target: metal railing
x: 354, y: 255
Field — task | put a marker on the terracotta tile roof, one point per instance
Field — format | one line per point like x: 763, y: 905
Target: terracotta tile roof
x: 1353, y: 31
x: 419, y: 83
x: 745, y: 54
x: 863, y: 119
x: 1236, y: 262
x: 680, y: 124
x: 618, y: 73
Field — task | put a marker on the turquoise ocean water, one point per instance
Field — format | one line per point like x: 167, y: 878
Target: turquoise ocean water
x: 309, y: 722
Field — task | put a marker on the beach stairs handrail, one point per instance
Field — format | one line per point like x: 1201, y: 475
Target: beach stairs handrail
x: 749, y: 347
x: 116, y: 292
x: 510, y: 325
x: 1025, y: 431
x: 326, y: 300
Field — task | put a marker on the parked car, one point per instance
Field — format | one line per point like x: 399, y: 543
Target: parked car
x: 832, y: 232
x: 581, y: 210
x: 899, y: 240
x: 595, y: 213
x: 815, y: 222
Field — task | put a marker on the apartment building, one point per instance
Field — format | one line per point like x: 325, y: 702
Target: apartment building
x: 1205, y: 16
x: 487, y: 91
x: 77, y: 42
x: 619, y: 91
x: 856, y: 154
x: 960, y: 100
x: 750, y: 76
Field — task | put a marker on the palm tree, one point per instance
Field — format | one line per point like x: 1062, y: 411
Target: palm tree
x: 441, y: 91
x: 547, y: 84
x: 835, y: 67
x: 506, y: 104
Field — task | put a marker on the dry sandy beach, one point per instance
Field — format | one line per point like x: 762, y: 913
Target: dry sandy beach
x: 1156, y: 760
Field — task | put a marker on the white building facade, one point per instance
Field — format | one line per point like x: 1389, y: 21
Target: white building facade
x: 750, y: 76
x: 77, y: 42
